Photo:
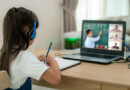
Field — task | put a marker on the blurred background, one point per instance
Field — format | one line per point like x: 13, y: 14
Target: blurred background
x: 61, y: 20
x: 49, y: 15
x: 78, y: 10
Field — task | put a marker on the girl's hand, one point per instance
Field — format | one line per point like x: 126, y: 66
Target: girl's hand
x: 41, y: 57
x: 48, y: 59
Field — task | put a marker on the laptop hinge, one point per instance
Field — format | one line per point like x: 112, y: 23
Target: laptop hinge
x: 98, y: 53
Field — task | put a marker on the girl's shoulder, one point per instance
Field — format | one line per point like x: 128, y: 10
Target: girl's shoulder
x: 26, y: 53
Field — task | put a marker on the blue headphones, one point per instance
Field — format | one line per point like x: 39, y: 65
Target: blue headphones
x: 32, y: 32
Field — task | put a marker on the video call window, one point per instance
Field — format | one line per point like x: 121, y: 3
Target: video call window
x: 102, y: 36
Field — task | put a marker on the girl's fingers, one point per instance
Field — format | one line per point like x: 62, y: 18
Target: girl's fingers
x: 41, y: 57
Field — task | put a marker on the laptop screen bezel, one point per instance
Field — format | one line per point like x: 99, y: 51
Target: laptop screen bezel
x: 102, y: 51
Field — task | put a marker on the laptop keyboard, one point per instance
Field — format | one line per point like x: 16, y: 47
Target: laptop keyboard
x: 97, y: 55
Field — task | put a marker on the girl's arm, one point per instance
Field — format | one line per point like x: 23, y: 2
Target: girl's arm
x: 52, y: 75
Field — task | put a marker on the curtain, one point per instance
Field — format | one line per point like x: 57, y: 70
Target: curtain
x: 69, y: 15
x: 115, y: 8
x: 129, y: 7
x: 100, y: 9
x: 89, y: 10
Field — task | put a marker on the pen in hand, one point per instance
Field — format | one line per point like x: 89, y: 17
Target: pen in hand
x: 48, y: 50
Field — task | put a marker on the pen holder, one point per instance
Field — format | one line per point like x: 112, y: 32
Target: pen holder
x: 72, y: 43
x: 72, y: 40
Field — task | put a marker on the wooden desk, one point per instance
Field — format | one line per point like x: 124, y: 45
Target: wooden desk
x: 91, y: 76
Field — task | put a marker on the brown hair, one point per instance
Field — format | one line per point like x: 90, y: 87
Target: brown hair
x: 88, y: 31
x: 14, y: 36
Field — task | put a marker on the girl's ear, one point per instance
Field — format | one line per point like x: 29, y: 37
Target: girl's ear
x: 26, y: 29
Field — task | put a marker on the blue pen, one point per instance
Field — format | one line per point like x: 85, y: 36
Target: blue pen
x: 48, y: 50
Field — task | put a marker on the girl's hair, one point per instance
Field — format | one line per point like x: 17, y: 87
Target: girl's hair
x: 15, y: 38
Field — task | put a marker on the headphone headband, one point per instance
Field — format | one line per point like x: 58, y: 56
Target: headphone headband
x: 32, y: 32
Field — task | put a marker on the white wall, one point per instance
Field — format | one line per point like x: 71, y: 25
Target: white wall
x: 49, y: 15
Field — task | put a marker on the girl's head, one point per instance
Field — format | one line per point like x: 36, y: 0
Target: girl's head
x: 16, y: 25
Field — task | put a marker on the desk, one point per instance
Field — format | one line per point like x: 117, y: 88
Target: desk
x: 91, y: 76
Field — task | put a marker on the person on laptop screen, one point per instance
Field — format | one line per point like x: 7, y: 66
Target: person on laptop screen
x: 90, y: 41
x: 115, y: 46
x: 116, y: 37
x: 116, y: 29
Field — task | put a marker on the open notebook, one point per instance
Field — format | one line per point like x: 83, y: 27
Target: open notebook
x: 66, y: 63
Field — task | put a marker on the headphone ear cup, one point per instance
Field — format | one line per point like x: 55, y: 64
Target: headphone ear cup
x: 29, y: 33
x: 33, y: 33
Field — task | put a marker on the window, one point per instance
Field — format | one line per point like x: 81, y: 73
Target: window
x: 99, y: 9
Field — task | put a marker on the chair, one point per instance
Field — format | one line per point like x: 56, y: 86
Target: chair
x: 6, y: 83
x: 4, y: 80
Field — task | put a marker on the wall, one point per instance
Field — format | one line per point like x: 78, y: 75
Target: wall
x: 49, y: 14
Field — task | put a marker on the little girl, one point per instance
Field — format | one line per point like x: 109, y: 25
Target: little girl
x: 19, y: 32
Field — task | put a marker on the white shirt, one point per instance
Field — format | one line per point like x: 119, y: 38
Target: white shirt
x: 90, y: 42
x: 25, y: 65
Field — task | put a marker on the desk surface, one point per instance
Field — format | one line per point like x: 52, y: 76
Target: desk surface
x: 115, y: 73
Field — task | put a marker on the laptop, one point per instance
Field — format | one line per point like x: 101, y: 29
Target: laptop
x: 101, y: 41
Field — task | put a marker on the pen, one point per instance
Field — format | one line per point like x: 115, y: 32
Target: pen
x: 48, y: 50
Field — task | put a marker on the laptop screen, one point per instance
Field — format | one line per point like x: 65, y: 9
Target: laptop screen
x: 105, y: 36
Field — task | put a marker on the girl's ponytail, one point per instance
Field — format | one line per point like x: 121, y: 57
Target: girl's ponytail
x: 14, y: 36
